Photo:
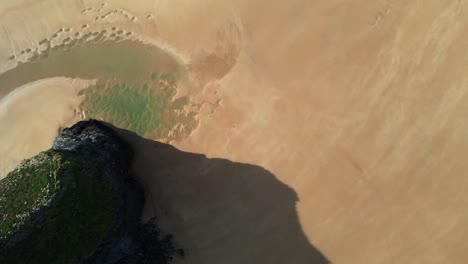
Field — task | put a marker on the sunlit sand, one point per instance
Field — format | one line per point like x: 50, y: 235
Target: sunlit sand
x: 359, y: 107
x: 31, y: 116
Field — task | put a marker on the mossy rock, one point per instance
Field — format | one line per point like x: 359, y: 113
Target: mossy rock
x: 61, y: 205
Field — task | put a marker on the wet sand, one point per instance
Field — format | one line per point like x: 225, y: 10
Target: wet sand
x: 359, y: 107
x: 30, y: 118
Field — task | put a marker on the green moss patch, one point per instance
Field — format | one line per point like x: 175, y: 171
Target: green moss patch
x: 75, y: 224
x: 26, y: 189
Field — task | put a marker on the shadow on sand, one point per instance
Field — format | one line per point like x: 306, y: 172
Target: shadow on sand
x: 220, y: 211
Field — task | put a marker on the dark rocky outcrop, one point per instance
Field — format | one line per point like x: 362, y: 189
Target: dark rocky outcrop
x: 77, y: 203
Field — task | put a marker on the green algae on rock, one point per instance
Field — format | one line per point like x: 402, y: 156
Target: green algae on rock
x: 33, y: 184
x: 75, y: 202
x: 65, y: 201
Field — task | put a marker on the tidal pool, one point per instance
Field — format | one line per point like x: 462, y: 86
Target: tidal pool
x: 136, y: 83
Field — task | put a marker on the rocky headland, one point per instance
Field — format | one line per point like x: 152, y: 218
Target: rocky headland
x: 78, y: 203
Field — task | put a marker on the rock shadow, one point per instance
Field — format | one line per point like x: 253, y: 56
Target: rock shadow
x: 220, y: 211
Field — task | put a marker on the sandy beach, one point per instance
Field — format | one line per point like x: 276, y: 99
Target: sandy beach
x: 31, y: 116
x: 359, y: 108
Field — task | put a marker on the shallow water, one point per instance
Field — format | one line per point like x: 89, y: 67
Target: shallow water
x: 132, y: 64
x: 128, y: 61
x: 148, y: 109
x: 109, y: 63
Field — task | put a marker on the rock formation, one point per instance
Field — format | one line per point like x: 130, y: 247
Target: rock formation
x: 77, y: 203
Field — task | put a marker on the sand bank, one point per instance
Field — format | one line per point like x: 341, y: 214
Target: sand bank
x: 31, y: 115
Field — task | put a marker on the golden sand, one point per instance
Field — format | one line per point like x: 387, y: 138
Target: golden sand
x: 30, y: 118
x: 359, y: 106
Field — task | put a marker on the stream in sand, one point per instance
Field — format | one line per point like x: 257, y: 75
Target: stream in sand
x: 129, y: 61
